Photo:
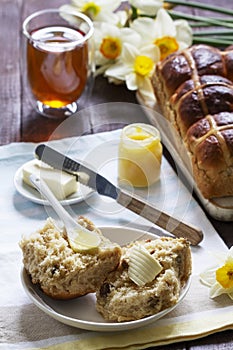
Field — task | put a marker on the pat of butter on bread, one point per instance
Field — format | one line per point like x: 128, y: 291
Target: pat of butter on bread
x: 143, y: 268
x: 60, y: 183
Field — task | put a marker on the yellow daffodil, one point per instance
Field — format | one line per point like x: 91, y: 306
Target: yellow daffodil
x: 127, y: 49
x: 168, y: 35
x: 220, y: 277
x: 135, y: 68
x: 97, y: 10
x: 147, y: 7
x: 109, y: 41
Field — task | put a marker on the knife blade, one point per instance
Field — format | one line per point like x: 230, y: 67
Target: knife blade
x: 89, y: 177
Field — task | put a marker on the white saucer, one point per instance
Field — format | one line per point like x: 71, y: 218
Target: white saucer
x: 33, y: 195
x: 81, y: 312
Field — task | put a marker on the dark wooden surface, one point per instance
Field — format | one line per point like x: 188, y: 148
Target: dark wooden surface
x: 19, y: 122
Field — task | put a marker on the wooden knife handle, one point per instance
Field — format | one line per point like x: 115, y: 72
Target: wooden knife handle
x: 151, y: 213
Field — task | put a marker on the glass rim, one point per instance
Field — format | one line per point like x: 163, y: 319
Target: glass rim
x: 152, y: 130
x: 81, y: 15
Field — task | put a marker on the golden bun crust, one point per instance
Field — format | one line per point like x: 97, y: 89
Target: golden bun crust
x: 194, y: 89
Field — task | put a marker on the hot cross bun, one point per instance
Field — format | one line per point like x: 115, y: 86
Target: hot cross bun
x: 194, y: 89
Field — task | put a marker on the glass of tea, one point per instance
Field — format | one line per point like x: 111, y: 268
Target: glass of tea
x: 59, y: 60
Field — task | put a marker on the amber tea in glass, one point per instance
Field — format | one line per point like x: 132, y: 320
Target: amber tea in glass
x: 58, y: 59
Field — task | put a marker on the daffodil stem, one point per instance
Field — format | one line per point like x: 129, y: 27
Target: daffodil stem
x: 226, y: 32
x: 212, y: 21
x: 199, y: 24
x: 201, y: 6
x: 212, y: 41
x: 134, y: 13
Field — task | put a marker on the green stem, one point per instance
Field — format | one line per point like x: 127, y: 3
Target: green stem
x: 214, y: 32
x: 134, y: 13
x: 201, y: 6
x: 211, y: 41
x: 204, y: 24
x: 199, y: 24
x: 228, y: 38
x: 213, y: 21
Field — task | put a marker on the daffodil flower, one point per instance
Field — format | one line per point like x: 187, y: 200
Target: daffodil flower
x: 220, y: 278
x: 127, y: 49
x: 168, y: 35
x: 136, y: 67
x: 147, y: 7
x: 109, y: 41
x: 97, y: 10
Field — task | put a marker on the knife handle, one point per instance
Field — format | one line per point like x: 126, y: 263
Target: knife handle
x: 151, y: 213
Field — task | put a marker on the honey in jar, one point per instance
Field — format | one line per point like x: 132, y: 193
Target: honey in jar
x: 140, y: 155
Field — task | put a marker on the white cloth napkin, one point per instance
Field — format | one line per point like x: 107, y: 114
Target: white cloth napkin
x: 24, y: 326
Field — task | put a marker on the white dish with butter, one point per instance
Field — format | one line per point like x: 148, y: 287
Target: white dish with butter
x: 81, y: 312
x: 82, y: 192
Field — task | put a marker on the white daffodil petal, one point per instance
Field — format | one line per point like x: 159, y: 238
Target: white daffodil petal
x: 118, y: 71
x: 208, y: 277
x: 115, y: 81
x: 164, y: 25
x: 129, y: 53
x: 146, y: 28
x: 71, y: 10
x: 103, y: 30
x: 147, y: 7
x: 110, y: 5
x: 122, y: 18
x: 151, y: 51
x: 101, y: 69
x: 229, y: 260
x: 131, y: 81
x: 230, y: 255
x: 110, y: 29
x: 219, y: 277
x: 98, y: 10
x: 130, y: 36
x: 183, y: 33
x: 107, y: 17
x: 216, y: 290
x: 100, y: 60
x: 146, y: 90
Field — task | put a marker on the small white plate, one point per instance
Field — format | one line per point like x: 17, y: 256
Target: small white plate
x: 81, y: 312
x: 33, y: 195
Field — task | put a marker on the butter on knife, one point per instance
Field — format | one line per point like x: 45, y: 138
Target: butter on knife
x: 60, y: 183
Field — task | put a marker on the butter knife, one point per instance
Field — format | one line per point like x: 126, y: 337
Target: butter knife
x: 89, y: 177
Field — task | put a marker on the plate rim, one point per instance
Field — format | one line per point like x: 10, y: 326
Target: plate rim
x: 92, y: 325
x: 24, y: 189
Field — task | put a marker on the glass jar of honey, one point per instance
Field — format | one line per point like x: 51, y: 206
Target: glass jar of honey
x: 140, y: 155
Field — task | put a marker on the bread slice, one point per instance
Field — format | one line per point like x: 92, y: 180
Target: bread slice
x: 120, y: 299
x: 62, y: 273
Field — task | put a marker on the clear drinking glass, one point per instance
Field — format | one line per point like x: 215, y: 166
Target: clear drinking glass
x: 59, y: 60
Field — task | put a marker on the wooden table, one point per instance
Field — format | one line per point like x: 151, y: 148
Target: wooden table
x: 19, y: 122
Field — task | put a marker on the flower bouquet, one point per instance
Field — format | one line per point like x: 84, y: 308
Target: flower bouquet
x: 131, y: 37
